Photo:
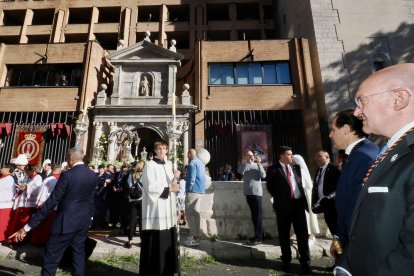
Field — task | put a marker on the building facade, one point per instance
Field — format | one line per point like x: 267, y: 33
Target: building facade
x: 349, y: 40
x: 237, y: 85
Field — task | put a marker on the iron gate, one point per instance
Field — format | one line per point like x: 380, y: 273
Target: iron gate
x: 55, y: 147
x: 221, y: 136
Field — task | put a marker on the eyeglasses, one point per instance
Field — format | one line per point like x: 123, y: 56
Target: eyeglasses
x: 361, y: 101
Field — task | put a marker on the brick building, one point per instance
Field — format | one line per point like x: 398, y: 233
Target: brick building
x: 244, y: 82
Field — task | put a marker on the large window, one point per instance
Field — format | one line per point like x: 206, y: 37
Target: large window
x: 45, y: 74
x: 249, y: 73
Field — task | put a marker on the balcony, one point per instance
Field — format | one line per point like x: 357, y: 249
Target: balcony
x: 38, y: 98
x: 171, y: 26
x: 77, y: 29
x: 38, y: 30
x: 106, y: 28
x: 148, y: 26
x: 10, y: 30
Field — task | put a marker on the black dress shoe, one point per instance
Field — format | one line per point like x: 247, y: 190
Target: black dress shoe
x: 286, y: 268
x: 253, y: 242
x: 127, y: 245
x: 306, y: 269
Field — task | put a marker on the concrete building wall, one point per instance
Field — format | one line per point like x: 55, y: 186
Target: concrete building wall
x: 135, y: 18
x: 346, y: 38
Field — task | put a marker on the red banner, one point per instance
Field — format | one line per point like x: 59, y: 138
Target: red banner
x: 30, y: 143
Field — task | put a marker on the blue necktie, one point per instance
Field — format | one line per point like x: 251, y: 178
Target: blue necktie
x: 383, y: 149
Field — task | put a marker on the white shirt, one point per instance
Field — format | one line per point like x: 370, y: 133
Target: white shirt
x: 296, y: 192
x: 28, y: 197
x: 7, y: 192
x: 47, y: 187
x: 399, y: 133
x: 352, y: 145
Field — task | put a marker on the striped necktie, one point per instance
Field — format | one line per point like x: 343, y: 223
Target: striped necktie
x: 381, y: 152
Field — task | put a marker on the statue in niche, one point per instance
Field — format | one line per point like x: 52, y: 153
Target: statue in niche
x: 144, y: 87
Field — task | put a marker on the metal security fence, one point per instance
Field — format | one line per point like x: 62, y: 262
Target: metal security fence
x: 222, y: 135
x: 57, y: 141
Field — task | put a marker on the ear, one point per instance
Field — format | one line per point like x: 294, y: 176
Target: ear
x: 346, y: 128
x: 401, y: 99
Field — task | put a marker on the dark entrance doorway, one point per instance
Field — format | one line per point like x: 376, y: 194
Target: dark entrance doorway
x: 148, y: 138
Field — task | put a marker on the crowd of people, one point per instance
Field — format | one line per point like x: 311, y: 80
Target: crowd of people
x: 366, y: 198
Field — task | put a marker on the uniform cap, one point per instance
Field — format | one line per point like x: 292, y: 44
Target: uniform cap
x: 47, y: 161
x: 21, y: 160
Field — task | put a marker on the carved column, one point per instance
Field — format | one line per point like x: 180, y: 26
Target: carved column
x: 96, y: 150
x: 185, y: 145
x: 97, y: 133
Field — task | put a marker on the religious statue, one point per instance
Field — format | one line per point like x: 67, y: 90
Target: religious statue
x: 124, y: 151
x: 144, y: 87
x: 144, y: 154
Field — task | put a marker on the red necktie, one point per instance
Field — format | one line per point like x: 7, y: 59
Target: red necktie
x: 289, y: 180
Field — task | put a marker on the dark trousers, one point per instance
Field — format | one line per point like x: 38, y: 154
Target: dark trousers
x: 330, y: 216
x: 255, y: 205
x: 296, y: 216
x: 55, y: 248
x: 115, y: 208
x: 99, y: 213
x: 135, y: 209
x: 124, y: 214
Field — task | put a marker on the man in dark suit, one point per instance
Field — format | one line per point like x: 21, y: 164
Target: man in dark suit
x: 73, y: 196
x: 382, y: 227
x: 326, y: 179
x: 347, y: 134
x: 283, y: 181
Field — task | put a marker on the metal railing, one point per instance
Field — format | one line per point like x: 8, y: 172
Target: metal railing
x: 55, y: 146
x: 222, y: 139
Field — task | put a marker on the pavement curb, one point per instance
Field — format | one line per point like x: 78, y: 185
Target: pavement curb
x: 219, y: 250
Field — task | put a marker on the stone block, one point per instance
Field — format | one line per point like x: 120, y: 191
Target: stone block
x: 223, y: 250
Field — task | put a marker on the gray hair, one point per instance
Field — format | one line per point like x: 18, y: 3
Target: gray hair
x: 76, y: 153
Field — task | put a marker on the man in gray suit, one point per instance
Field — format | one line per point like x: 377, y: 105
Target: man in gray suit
x: 252, y: 171
x: 381, y: 235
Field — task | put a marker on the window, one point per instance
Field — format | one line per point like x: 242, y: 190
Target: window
x: 45, y: 74
x: 269, y: 75
x: 242, y: 73
x: 249, y: 73
x: 255, y: 73
x: 217, y: 12
x: 221, y: 74
x: 283, y: 74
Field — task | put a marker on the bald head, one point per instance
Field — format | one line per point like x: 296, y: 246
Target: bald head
x: 385, y: 100
x: 321, y: 157
x: 192, y: 153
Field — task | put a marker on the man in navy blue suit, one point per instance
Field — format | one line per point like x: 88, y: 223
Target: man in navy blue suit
x: 73, y: 196
x: 284, y: 184
x: 347, y: 134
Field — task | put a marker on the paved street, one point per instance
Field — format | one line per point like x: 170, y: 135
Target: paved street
x: 235, y: 267
x: 210, y: 258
